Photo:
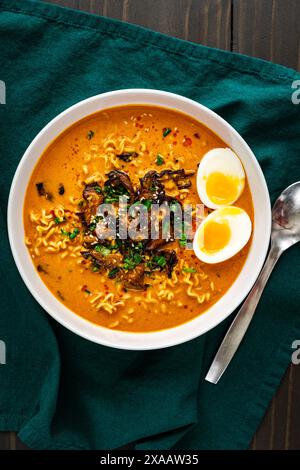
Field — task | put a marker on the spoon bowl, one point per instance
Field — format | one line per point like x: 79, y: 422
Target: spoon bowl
x: 285, y: 233
x: 286, y: 218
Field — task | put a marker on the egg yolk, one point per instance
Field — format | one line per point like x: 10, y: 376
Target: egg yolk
x: 222, y: 189
x: 216, y: 235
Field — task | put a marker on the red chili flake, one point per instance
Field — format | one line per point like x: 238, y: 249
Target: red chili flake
x: 197, y: 135
x: 187, y: 141
x: 175, y: 142
x: 85, y: 289
x: 138, y: 118
x: 52, y: 212
x: 141, y: 126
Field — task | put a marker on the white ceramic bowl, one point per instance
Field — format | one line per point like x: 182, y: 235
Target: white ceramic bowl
x: 215, y: 314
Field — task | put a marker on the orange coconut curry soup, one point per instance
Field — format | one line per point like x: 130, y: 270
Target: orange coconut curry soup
x: 147, y: 155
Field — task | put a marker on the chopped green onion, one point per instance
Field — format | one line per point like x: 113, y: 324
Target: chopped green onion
x: 92, y: 226
x: 102, y: 249
x: 109, y: 199
x: 137, y: 258
x: 74, y: 233
x: 167, y: 131
x: 130, y: 262
x: 160, y: 160
x: 147, y: 203
x: 112, y: 273
x: 189, y: 270
x: 160, y: 261
x: 98, y: 189
x: 174, y: 205
x: 183, y: 241
x: 71, y: 235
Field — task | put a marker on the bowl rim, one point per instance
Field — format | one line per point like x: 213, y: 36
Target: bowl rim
x: 116, y: 338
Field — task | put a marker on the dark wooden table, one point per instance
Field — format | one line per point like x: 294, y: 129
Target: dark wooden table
x: 269, y: 29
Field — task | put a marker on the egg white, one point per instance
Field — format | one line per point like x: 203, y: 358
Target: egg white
x: 240, y: 231
x: 219, y: 160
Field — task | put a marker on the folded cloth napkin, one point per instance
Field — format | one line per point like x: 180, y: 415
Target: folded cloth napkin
x: 60, y: 391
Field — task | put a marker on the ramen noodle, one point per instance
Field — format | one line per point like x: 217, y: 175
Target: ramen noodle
x: 147, y: 155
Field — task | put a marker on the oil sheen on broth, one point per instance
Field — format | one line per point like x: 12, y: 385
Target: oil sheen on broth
x: 134, y: 290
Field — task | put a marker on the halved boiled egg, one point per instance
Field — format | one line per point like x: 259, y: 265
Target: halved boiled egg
x: 220, y: 178
x: 222, y: 234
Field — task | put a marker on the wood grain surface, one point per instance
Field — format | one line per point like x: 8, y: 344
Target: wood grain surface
x: 268, y: 29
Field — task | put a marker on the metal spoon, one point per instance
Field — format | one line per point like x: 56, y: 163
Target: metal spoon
x: 285, y: 233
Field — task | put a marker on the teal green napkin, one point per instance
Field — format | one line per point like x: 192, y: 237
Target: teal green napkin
x: 60, y: 391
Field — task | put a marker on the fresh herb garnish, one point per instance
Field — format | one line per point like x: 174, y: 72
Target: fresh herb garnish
x: 90, y: 135
x: 74, y: 234
x: 110, y: 199
x: 189, y: 270
x: 137, y: 258
x: 71, y: 235
x: 130, y: 262
x: 57, y: 220
x: 139, y: 246
x: 112, y: 193
x: 166, y: 131
x: 92, y: 226
x: 160, y: 261
x: 157, y: 262
x: 102, y: 249
x: 183, y: 240
x: 174, y: 205
x: 113, y: 272
x: 160, y: 160
x: 98, y: 189
x: 147, y: 203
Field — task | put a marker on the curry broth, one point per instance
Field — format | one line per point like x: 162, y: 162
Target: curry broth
x: 78, y: 153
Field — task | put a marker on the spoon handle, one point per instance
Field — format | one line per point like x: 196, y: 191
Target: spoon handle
x: 242, y: 320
